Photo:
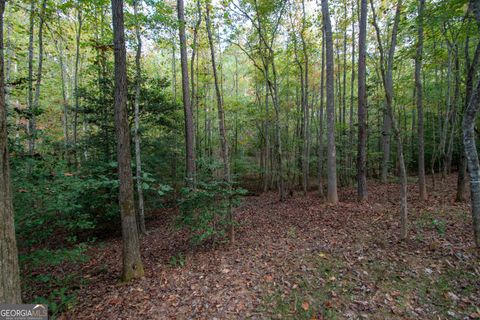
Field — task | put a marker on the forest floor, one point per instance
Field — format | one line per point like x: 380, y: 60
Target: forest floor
x: 299, y: 259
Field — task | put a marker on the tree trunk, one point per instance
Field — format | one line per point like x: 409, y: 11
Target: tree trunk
x: 362, y: 105
x: 31, y: 119
x: 388, y: 87
x: 138, y: 160
x: 221, y: 121
x: 64, y: 96
x: 187, y: 107
x: 470, y: 145
x: 306, y: 124
x: 419, y: 100
x: 9, y: 269
x: 471, y: 67
x: 352, y: 85
x: 132, y: 263
x: 320, y: 129
x: 472, y: 159
x: 75, y: 80
x: 267, y: 142
x: 332, y: 196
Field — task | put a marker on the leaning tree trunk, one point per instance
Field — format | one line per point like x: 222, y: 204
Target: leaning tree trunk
x: 9, y: 270
x: 132, y: 262
x: 419, y: 100
x: 362, y: 106
x: 332, y: 195
x: 187, y: 107
x: 138, y: 158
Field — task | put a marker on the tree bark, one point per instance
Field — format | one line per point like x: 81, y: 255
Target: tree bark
x: 132, y: 262
x: 137, y: 134
x: 187, y: 107
x: 362, y: 106
x: 75, y: 80
x: 419, y: 100
x: 332, y: 195
x: 31, y: 120
x: 472, y: 159
x: 9, y: 269
x: 320, y: 129
x: 470, y: 145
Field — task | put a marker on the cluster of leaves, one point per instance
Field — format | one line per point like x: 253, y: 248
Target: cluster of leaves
x: 51, y: 202
x: 206, y: 210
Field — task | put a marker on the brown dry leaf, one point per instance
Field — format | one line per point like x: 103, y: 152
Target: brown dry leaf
x: 305, y: 305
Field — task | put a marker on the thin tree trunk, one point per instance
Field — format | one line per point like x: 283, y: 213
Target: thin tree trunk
x: 352, y: 86
x: 187, y: 107
x: 470, y: 145
x: 472, y: 157
x: 388, y: 86
x: 362, y: 106
x: 267, y: 141
x: 9, y: 269
x: 419, y: 100
x: 32, y: 116
x: 320, y: 129
x: 221, y: 121
x: 132, y: 262
x: 75, y: 80
x: 332, y: 195
x: 306, y: 124
x: 137, y: 135
x: 64, y: 96
x: 471, y: 67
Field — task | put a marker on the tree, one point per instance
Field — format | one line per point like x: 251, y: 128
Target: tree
x: 138, y: 158
x: 132, y: 262
x: 386, y: 68
x: 75, y: 77
x: 221, y: 117
x: 31, y: 116
x: 187, y: 107
x: 470, y: 145
x: 332, y: 196
x: 419, y: 100
x: 9, y: 270
x: 362, y: 105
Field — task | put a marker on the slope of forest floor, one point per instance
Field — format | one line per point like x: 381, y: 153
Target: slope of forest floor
x: 300, y: 259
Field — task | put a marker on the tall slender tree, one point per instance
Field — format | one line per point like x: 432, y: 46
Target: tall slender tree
x: 469, y: 142
x: 138, y: 86
x: 32, y: 116
x: 9, y: 270
x: 386, y: 68
x: 362, y: 105
x: 221, y: 118
x: 332, y: 195
x: 132, y: 262
x: 419, y: 100
x: 187, y: 107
